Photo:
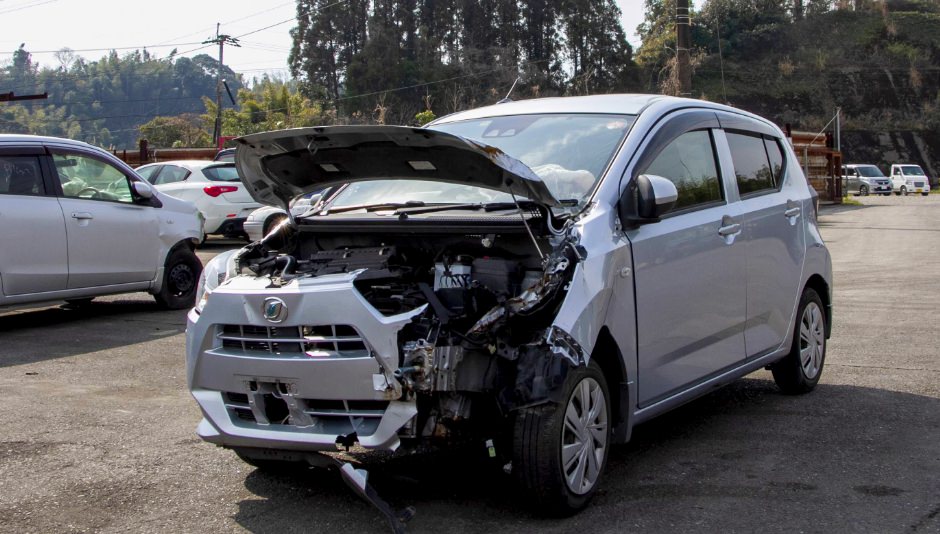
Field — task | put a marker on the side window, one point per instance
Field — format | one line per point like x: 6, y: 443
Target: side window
x: 171, y: 174
x: 775, y: 154
x: 86, y: 177
x: 752, y: 168
x: 689, y: 161
x: 148, y: 173
x: 21, y: 175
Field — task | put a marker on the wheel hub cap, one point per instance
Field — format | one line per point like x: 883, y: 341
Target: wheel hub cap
x: 584, y: 437
x: 812, y: 340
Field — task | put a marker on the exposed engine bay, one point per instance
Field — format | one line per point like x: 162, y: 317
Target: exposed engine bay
x: 484, y: 344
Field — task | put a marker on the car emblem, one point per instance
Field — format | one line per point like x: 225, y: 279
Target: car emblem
x: 274, y: 309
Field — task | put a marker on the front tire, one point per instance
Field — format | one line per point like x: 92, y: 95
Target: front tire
x: 799, y: 371
x: 180, y: 277
x: 924, y: 194
x: 904, y: 190
x: 863, y: 191
x: 560, y: 450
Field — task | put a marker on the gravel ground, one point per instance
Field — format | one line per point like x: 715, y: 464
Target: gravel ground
x: 98, y: 427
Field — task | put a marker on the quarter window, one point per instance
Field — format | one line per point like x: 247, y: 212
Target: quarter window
x: 752, y: 168
x: 20, y: 175
x: 689, y: 162
x: 89, y: 178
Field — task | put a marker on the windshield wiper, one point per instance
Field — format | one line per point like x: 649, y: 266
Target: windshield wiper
x: 485, y: 206
x: 373, y: 207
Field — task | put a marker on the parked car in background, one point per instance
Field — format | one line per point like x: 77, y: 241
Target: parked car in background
x: 263, y: 219
x: 865, y: 179
x: 77, y: 223
x: 214, y: 187
x: 909, y: 178
x: 226, y: 155
x: 487, y: 280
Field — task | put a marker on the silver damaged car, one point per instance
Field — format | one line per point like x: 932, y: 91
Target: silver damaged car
x: 539, y: 276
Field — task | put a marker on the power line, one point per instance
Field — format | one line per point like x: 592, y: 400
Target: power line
x: 141, y: 47
x: 35, y: 4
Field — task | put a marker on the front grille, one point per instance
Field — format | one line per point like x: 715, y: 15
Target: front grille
x: 337, y: 417
x: 918, y: 184
x: 322, y: 341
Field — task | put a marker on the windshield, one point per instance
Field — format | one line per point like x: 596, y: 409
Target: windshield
x: 912, y: 170
x: 870, y: 171
x: 569, y: 152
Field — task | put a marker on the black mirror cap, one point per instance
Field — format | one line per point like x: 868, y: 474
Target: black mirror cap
x: 646, y: 199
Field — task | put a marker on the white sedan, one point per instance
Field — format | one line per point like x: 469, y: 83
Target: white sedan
x: 214, y: 187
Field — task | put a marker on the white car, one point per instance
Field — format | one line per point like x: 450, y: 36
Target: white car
x: 263, y: 219
x: 213, y: 186
x: 909, y: 178
x: 78, y: 223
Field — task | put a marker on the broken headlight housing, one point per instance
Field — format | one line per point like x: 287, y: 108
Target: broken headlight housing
x: 218, y: 270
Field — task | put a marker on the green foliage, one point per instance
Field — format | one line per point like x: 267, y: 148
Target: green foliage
x: 104, y: 101
x: 424, y: 117
x: 399, y: 57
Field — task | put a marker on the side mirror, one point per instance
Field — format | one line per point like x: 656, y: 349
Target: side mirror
x: 646, y: 199
x: 143, y: 190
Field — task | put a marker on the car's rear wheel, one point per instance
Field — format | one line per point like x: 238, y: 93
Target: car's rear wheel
x: 799, y: 371
x: 180, y: 277
x: 903, y: 190
x: 863, y: 190
x: 560, y: 450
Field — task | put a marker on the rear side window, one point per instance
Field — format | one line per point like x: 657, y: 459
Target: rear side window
x: 21, y: 175
x: 171, y: 174
x: 752, y: 166
x: 221, y: 173
x: 147, y: 173
x: 689, y: 162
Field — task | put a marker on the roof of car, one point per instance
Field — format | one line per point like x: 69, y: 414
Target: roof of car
x: 194, y: 163
x: 38, y: 139
x: 627, y: 104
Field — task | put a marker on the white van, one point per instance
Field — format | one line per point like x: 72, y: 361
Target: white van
x: 908, y: 178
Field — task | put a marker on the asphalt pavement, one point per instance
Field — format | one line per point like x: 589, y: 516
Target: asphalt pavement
x: 98, y: 427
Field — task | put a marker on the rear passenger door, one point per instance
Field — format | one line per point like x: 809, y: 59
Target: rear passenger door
x: 773, y: 234
x: 689, y: 268
x: 33, y: 248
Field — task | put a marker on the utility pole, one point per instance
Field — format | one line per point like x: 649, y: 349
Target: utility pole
x: 221, y: 39
x: 683, y: 44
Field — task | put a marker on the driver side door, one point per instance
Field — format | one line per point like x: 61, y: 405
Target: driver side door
x: 112, y: 234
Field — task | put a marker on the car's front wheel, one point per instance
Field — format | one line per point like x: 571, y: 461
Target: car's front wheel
x: 180, y: 277
x: 799, y: 371
x: 924, y: 194
x: 863, y: 191
x: 903, y: 190
x: 560, y: 450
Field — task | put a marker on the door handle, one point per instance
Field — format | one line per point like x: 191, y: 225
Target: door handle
x: 82, y: 215
x: 792, y: 212
x: 731, y: 229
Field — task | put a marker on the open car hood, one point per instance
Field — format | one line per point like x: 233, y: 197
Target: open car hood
x: 281, y: 165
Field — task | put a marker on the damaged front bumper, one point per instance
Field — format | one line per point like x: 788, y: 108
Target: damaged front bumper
x: 298, y: 367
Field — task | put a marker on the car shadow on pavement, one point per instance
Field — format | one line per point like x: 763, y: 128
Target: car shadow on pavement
x: 99, y: 325
x: 741, y: 458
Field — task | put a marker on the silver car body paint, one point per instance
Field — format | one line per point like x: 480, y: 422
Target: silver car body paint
x: 627, y: 283
x: 121, y: 248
